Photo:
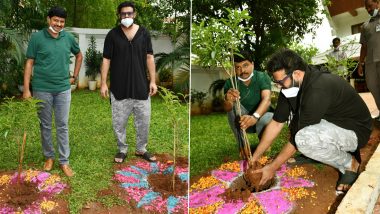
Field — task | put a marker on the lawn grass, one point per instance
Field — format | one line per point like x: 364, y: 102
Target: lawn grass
x: 212, y: 143
x: 92, y: 144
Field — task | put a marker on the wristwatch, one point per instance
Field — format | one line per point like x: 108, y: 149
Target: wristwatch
x: 256, y: 115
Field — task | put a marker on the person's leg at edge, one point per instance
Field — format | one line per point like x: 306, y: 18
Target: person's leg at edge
x: 121, y: 109
x: 231, y: 115
x: 329, y: 144
x: 61, y: 112
x: 372, y: 76
x: 61, y: 105
x: 45, y: 116
x: 263, y: 121
x: 142, y: 113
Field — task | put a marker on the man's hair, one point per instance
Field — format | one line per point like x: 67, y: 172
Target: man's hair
x: 336, y: 39
x: 245, y: 55
x: 285, y: 59
x: 377, y: 1
x: 125, y: 4
x: 57, y: 11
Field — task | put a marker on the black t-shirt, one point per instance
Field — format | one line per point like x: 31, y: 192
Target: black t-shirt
x: 325, y: 96
x: 128, y: 69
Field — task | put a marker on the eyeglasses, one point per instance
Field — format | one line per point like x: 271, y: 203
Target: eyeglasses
x: 281, y: 82
x: 125, y: 14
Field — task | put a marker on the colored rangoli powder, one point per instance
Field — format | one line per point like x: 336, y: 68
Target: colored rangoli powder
x: 274, y: 202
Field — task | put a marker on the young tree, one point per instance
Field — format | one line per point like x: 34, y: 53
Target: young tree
x: 215, y: 44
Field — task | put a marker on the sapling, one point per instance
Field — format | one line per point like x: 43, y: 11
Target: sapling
x: 215, y: 45
x: 173, y: 105
x: 17, y: 119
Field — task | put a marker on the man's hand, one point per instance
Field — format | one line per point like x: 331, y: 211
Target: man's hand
x: 152, y: 89
x: 267, y: 174
x: 360, y: 70
x: 246, y: 121
x: 26, y: 94
x: 232, y: 95
x: 104, y: 91
x: 72, y: 80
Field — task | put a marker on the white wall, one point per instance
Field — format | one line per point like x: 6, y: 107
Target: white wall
x: 342, y: 23
x: 201, y: 78
x: 160, y: 43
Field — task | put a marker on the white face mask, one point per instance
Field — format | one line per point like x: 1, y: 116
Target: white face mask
x: 127, y: 22
x: 290, y: 92
x: 245, y: 80
x: 52, y: 29
x: 375, y: 11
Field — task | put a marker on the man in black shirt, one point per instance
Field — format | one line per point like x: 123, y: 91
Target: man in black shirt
x: 329, y: 120
x: 128, y: 54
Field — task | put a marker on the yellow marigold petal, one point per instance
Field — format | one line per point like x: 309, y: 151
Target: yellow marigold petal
x: 205, y: 182
x: 296, y: 193
x: 231, y: 166
x: 206, y: 209
x: 296, y: 172
x: 252, y: 207
x: 48, y: 205
x: 5, y: 179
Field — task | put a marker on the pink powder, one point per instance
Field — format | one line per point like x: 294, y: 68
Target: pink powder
x: 274, y: 202
x: 231, y: 207
x: 206, y: 197
x: 125, y: 179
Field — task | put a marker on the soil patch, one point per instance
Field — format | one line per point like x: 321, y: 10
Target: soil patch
x: 163, y: 183
x: 131, y: 195
x: 35, y: 193
x: 20, y: 194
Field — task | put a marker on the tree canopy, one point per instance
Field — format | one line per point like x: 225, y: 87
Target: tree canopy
x: 274, y: 23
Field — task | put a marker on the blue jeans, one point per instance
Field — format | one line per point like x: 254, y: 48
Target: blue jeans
x: 60, y: 104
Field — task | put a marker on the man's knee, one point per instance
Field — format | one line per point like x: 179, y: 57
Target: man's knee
x: 304, y: 141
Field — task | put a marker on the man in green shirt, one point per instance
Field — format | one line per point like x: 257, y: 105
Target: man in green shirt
x: 48, y: 54
x: 254, y: 93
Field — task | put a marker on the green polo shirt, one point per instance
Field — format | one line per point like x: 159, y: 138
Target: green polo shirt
x: 51, y: 60
x: 250, y: 96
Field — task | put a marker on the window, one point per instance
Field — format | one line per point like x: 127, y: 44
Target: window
x: 356, y: 28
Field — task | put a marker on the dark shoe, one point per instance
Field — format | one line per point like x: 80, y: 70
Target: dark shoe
x: 48, y: 164
x: 146, y: 156
x: 67, y: 170
x: 348, y: 178
x: 121, y: 156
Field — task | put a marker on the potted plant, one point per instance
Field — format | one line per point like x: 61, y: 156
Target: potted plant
x: 93, y: 60
x: 197, y: 101
x: 165, y: 75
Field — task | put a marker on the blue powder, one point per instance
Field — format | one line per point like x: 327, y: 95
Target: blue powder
x: 169, y: 170
x: 142, y: 184
x: 143, y: 172
x: 172, y: 202
x: 154, y: 168
x: 129, y: 174
x: 148, y: 198
x: 184, y: 176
